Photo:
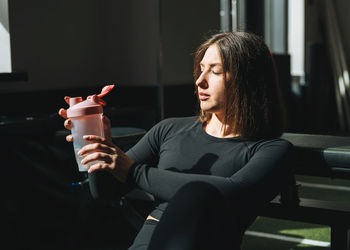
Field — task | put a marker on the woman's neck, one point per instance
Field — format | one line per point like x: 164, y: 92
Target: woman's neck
x: 217, y: 128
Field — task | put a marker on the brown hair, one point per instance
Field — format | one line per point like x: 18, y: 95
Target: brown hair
x: 253, y: 105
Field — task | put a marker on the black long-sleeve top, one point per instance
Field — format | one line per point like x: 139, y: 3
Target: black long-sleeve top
x: 177, y: 151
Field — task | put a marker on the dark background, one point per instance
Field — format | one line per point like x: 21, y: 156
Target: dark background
x: 74, y: 48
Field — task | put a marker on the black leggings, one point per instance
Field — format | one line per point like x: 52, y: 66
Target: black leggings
x: 197, y: 218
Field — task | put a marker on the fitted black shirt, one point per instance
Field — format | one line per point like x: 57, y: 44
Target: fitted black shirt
x: 177, y: 151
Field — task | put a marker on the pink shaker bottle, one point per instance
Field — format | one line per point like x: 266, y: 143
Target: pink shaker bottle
x: 86, y: 119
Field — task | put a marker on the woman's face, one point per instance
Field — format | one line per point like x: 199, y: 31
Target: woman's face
x: 211, y: 83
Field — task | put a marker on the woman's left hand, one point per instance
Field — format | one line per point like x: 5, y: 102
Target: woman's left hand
x: 110, y: 157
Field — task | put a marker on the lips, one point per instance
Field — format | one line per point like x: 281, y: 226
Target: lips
x: 203, y: 96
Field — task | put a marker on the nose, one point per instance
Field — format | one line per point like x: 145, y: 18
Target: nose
x: 202, y: 81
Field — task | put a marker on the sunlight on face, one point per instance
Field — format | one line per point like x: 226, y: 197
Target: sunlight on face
x: 211, y: 83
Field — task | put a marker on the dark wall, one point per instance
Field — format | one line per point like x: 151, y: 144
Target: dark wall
x: 58, y: 43
x: 68, y: 44
x: 75, y: 48
x: 255, y: 17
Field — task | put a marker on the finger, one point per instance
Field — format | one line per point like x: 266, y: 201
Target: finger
x: 99, y: 139
x: 98, y: 166
x: 63, y: 113
x: 66, y: 98
x: 96, y: 147
x: 97, y: 156
x: 68, y: 124
x: 69, y: 138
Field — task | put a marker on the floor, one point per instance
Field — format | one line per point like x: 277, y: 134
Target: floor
x: 267, y: 233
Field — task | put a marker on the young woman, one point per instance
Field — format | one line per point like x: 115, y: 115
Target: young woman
x: 212, y: 173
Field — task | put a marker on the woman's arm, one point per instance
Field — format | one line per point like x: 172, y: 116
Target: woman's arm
x: 260, y: 179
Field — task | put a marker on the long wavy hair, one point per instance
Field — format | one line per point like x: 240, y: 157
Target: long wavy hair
x: 253, y: 103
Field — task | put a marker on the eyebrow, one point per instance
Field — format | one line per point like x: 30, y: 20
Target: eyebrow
x: 212, y: 64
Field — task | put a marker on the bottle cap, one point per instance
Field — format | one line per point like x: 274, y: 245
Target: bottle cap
x: 92, y: 105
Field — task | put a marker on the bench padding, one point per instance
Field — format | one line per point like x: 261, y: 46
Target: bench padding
x: 320, y: 154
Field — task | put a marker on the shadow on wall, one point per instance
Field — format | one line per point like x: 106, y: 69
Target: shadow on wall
x: 311, y: 107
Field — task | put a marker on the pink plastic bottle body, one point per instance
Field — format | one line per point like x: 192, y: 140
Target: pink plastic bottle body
x: 85, y: 125
x: 86, y: 117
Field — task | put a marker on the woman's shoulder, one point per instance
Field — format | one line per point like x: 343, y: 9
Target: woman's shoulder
x: 178, y: 121
x: 184, y: 119
x: 174, y: 125
x: 279, y: 141
x: 274, y: 144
